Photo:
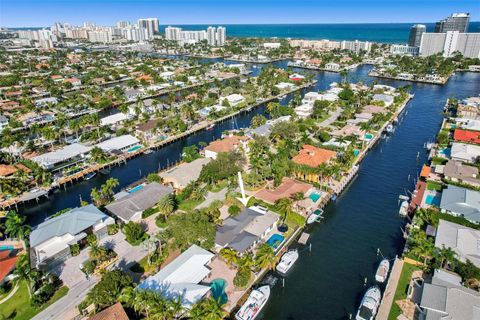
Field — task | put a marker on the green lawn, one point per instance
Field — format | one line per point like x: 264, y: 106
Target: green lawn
x: 402, y: 288
x: 142, y: 266
x: 18, y: 307
x: 431, y: 185
x: 189, y: 204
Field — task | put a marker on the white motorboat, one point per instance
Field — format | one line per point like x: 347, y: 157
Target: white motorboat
x: 369, y: 305
x: 254, y: 304
x: 403, y: 197
x: 382, y: 271
x: 287, y: 261
x: 315, y: 216
x: 389, y: 128
x: 403, y: 208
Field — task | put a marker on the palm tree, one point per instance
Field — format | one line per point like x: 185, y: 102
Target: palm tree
x: 166, y: 205
x: 23, y: 272
x: 448, y: 256
x: 96, y: 251
x: 265, y: 257
x: 230, y: 256
x: 424, y: 249
x: 284, y: 205
x: 15, y: 227
x: 208, y: 309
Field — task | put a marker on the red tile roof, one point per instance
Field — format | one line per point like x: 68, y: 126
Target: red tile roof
x: 115, y: 312
x: 466, y: 136
x: 7, y: 265
x: 285, y: 190
x: 226, y: 145
x: 312, y: 156
x: 425, y: 171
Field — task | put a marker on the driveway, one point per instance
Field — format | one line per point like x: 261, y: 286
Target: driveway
x: 333, y: 117
x: 211, y: 197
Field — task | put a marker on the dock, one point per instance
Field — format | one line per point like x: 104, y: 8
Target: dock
x: 304, y: 238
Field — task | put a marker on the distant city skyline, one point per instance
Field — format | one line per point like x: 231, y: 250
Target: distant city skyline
x: 34, y: 13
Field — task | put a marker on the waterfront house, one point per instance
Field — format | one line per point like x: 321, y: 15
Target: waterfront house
x: 286, y: 189
x: 50, y: 241
x: 332, y: 66
x: 374, y: 109
x: 183, y: 174
x: 311, y: 97
x: 148, y: 131
x: 460, y: 172
x: 385, y: 98
x: 304, y: 111
x: 444, y: 297
x: 119, y: 144
x: 245, y: 230
x: 132, y: 94
x: 182, y: 277
x: 205, y: 112
x: 469, y: 108
x: 466, y: 136
x: 461, y: 202
x: 312, y: 157
x: 468, y: 124
x: 264, y: 130
x: 129, y: 205
x: 465, y: 152
x: 40, y: 103
x: 62, y: 158
x: 233, y: 99
x: 462, y: 240
x: 347, y: 130
x: 228, y: 144
x: 285, y: 86
x: 113, y: 119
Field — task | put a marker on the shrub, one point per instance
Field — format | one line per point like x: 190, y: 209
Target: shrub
x: 112, y: 229
x: 154, y: 177
x: 134, y: 233
x: 150, y: 211
x: 74, y: 249
x: 242, y: 278
x: 89, y: 267
x: 92, y: 239
x: 234, y: 210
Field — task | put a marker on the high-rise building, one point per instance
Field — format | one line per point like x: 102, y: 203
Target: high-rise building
x: 415, y: 36
x: 356, y: 46
x: 448, y: 43
x: 103, y: 36
x: 211, y: 35
x: 122, y: 24
x: 221, y: 36
x: 151, y: 24
x: 456, y: 22
x: 172, y: 33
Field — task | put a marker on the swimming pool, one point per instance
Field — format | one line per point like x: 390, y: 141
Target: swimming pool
x: 275, y: 240
x: 140, y: 186
x: 368, y: 136
x: 6, y: 248
x: 217, y: 288
x: 133, y: 149
x: 432, y: 200
x: 315, y: 196
x: 445, y: 152
x: 356, y: 152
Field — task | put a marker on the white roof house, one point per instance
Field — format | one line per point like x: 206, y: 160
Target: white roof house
x: 233, y: 99
x: 465, y: 152
x: 50, y: 159
x: 50, y: 239
x: 113, y: 119
x: 332, y: 66
x: 181, y: 277
x: 118, y: 143
x: 304, y: 110
x: 167, y: 75
x: 387, y: 99
x: 311, y: 97
x: 284, y: 85
x: 462, y: 240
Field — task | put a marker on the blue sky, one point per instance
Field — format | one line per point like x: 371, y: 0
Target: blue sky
x: 18, y: 13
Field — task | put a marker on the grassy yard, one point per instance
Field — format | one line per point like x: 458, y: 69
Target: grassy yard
x: 189, y: 204
x: 402, y: 288
x: 431, y: 185
x: 142, y: 266
x: 18, y: 307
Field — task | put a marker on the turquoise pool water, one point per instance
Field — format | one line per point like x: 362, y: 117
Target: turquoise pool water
x: 140, y: 186
x: 356, y: 152
x: 432, y: 200
x: 133, y: 149
x: 315, y: 196
x: 217, y: 288
x: 275, y: 240
x: 368, y: 136
x: 6, y: 248
x: 445, y: 152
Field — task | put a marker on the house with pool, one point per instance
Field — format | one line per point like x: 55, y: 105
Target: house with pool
x: 311, y: 157
x: 247, y: 229
x: 125, y: 143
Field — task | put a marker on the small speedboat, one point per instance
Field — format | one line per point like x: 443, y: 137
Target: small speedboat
x: 287, y: 261
x: 369, y: 305
x: 90, y: 175
x: 254, y: 304
x: 389, y: 128
x: 403, y: 208
x: 403, y: 197
x: 210, y: 127
x: 315, y: 216
x: 382, y: 271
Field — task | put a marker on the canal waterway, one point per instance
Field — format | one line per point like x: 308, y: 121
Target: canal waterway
x: 328, y: 282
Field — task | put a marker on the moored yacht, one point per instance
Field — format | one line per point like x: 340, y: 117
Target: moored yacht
x: 254, y: 304
x: 369, y: 305
x: 403, y: 208
x: 287, y: 261
x: 382, y: 271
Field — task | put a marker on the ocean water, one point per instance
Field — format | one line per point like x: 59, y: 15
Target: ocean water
x: 376, y: 32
